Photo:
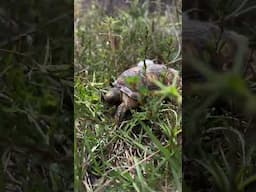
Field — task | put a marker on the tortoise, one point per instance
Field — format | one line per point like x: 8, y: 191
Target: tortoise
x: 127, y: 89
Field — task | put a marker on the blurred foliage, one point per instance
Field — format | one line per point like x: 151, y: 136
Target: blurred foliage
x: 144, y: 152
x: 36, y: 77
x: 219, y: 148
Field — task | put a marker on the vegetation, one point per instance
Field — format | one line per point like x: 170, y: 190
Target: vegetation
x: 36, y: 110
x: 144, y: 152
x: 219, y: 152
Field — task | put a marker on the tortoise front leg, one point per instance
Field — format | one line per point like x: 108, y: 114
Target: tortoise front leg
x: 121, y: 110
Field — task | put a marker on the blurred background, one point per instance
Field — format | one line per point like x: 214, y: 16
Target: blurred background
x: 219, y: 102
x: 36, y: 95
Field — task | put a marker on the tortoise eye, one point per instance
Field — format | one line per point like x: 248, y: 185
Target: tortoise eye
x: 112, y: 84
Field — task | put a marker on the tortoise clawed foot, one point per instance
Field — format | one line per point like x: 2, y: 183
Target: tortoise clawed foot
x: 121, y: 110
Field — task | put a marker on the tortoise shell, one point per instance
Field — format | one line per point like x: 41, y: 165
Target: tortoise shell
x: 143, y: 76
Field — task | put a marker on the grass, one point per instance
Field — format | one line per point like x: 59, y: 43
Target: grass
x: 36, y: 77
x: 144, y: 152
x: 219, y: 116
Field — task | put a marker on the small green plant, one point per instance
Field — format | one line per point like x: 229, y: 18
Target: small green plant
x: 229, y: 174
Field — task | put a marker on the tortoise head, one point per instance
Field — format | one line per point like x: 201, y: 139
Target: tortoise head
x: 113, y: 96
